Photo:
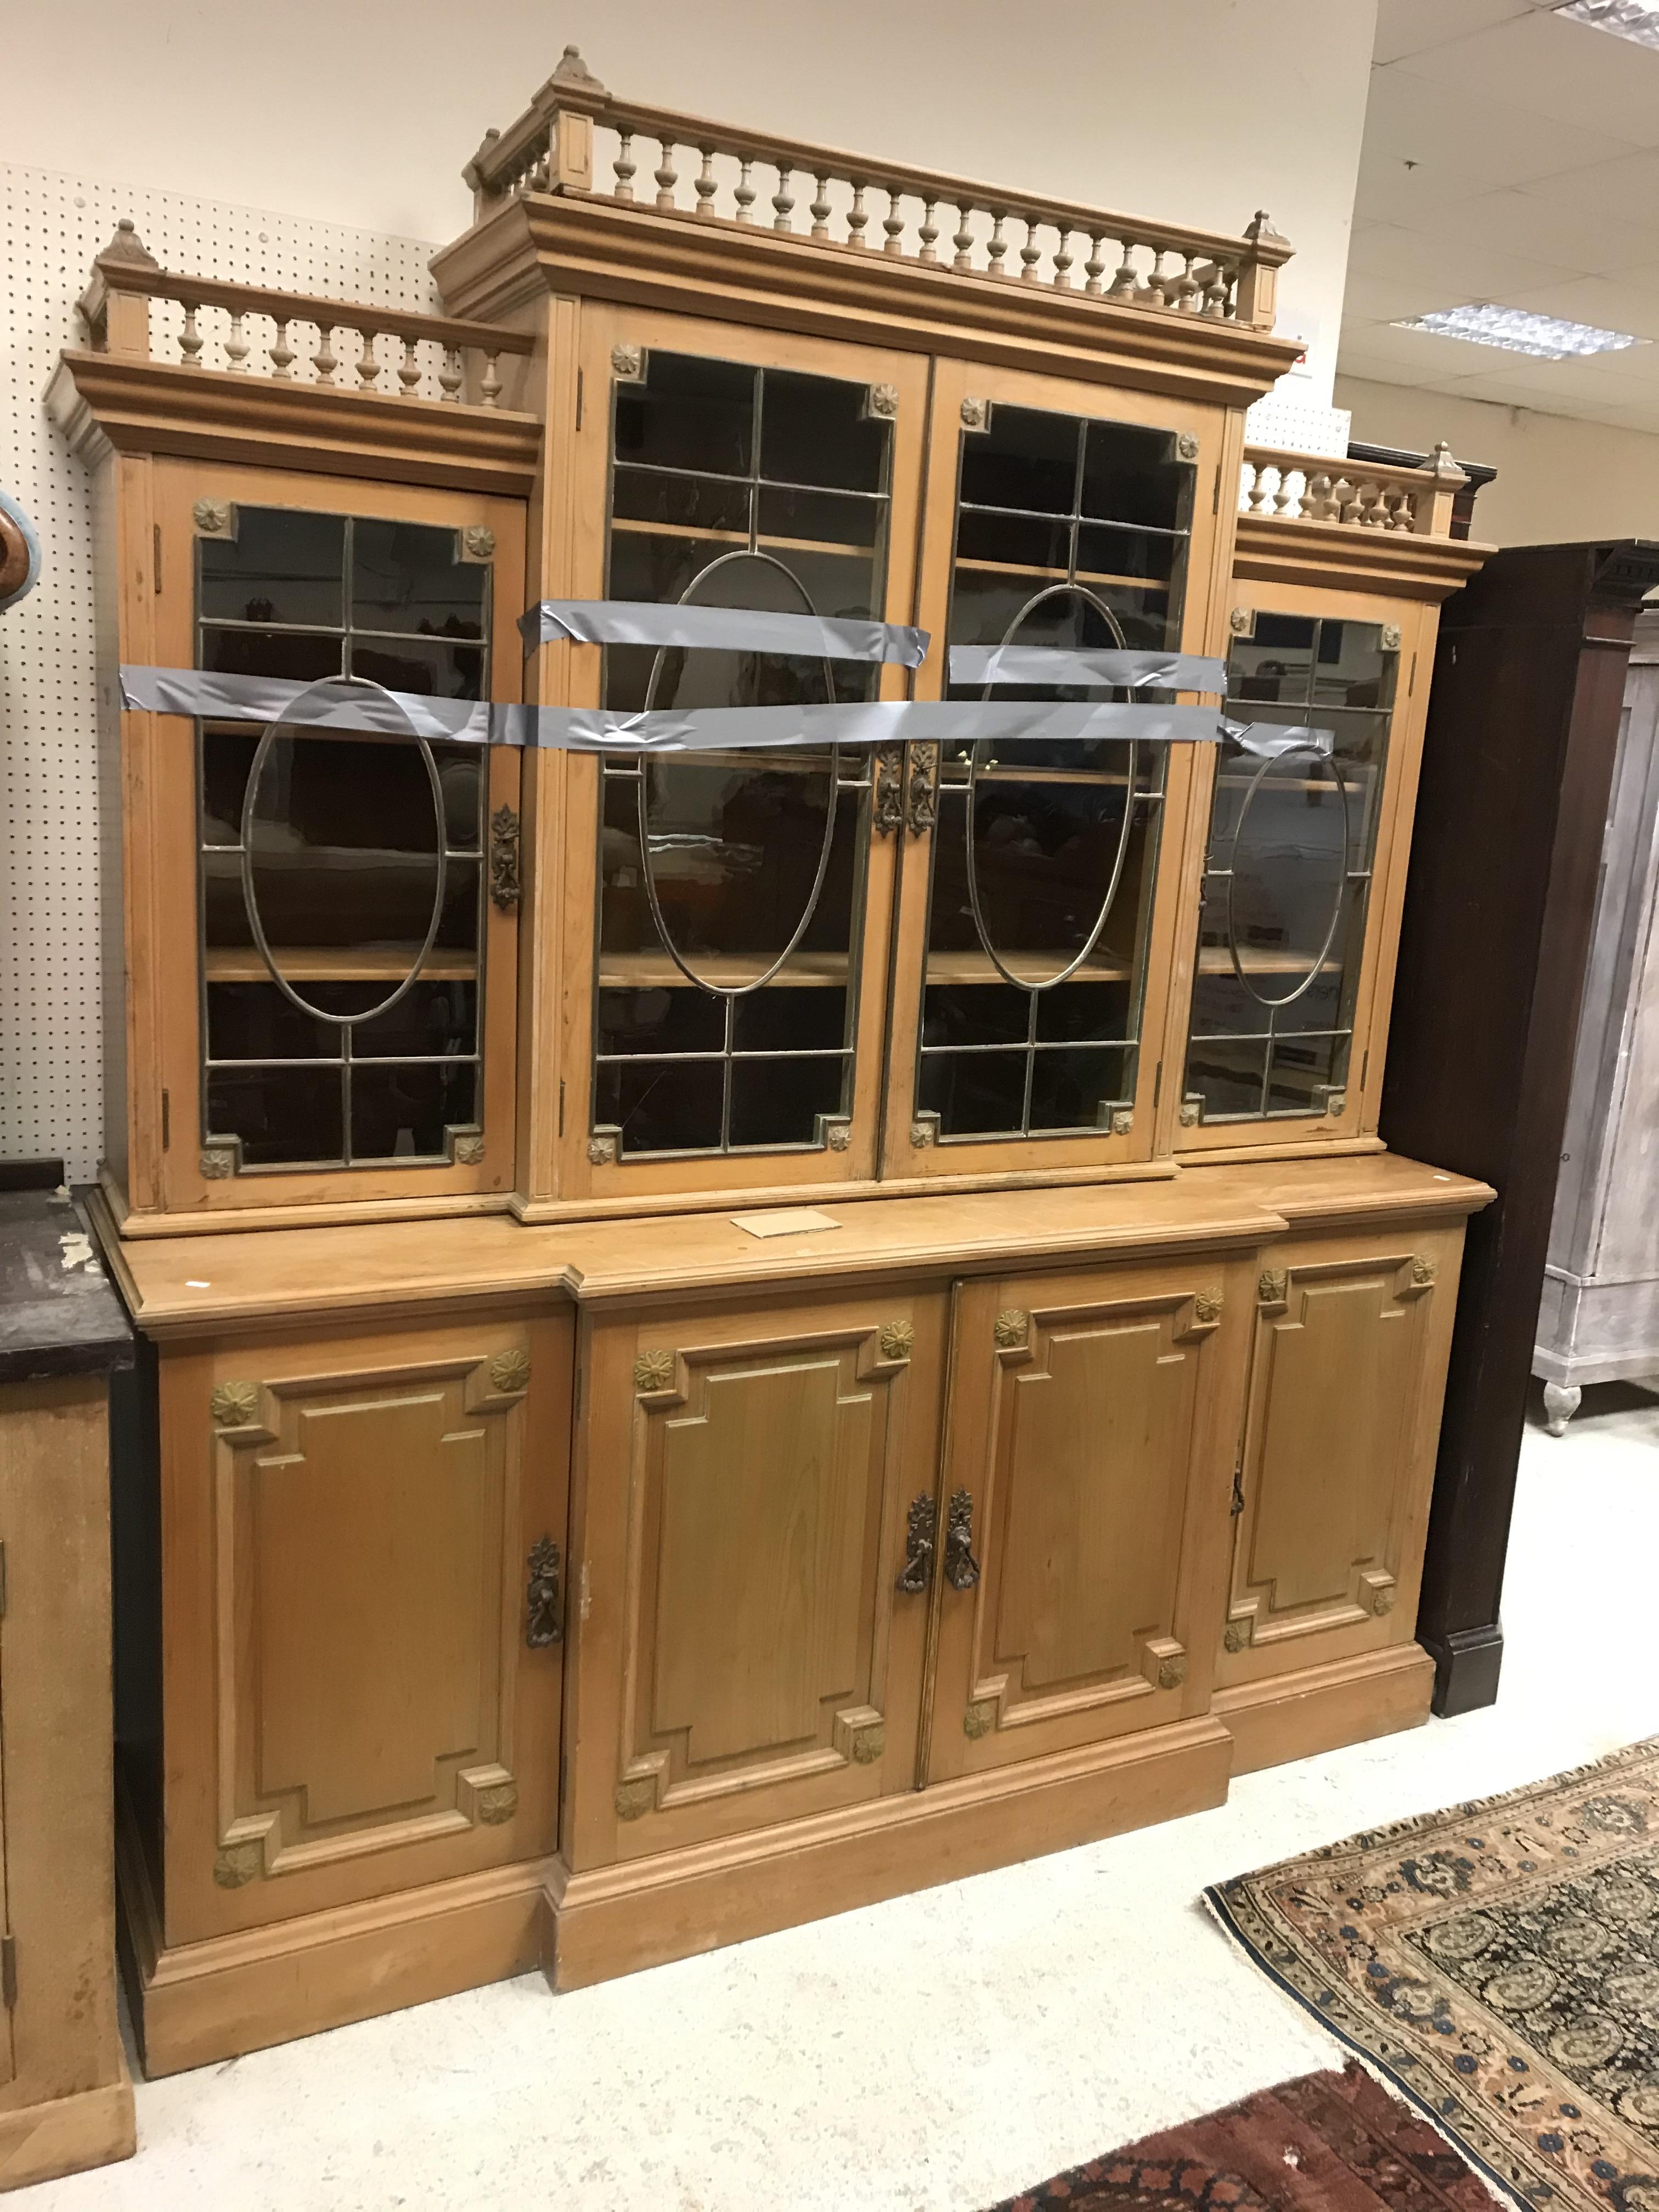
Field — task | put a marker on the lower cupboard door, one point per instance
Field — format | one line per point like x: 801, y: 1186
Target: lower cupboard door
x: 1084, y: 1507
x: 362, y: 1613
x: 746, y: 1655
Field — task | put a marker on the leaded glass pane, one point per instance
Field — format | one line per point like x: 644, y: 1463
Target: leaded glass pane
x: 1287, y: 873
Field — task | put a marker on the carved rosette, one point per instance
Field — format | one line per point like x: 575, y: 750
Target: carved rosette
x: 975, y: 414
x: 1241, y: 621
x: 635, y: 1798
x: 653, y: 1371
x: 921, y: 1134
x: 1206, y: 1306
x: 629, y: 362
x: 1123, y: 1121
x: 1187, y: 445
x: 1238, y: 1635
x: 509, y: 1372
x: 1382, y: 1598
x: 897, y: 1339
x: 884, y: 400
x: 1172, y: 1671
x: 1390, y: 637
x: 980, y: 1719
x: 1336, y: 1104
x: 1192, y: 1113
x: 869, y: 1744
x: 496, y: 1804
x: 235, y: 1865
x: 478, y: 542
x: 838, y: 1135
x: 234, y: 1405
x: 469, y: 1151
x: 217, y: 1165
x: 212, y: 518
x: 602, y: 1152
x: 1012, y: 1329
x: 1270, y: 1285
x: 1424, y: 1271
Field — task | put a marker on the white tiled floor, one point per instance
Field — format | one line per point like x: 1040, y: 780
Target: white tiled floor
x: 941, y: 2051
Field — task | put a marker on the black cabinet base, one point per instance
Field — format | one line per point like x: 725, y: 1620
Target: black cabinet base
x: 1466, y: 1666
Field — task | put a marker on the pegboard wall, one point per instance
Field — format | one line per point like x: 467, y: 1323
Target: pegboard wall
x: 50, y: 1055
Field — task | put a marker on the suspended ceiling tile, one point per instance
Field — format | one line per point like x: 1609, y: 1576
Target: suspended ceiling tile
x: 1626, y: 189
x: 1528, y: 225
x: 1443, y: 265
x: 1627, y: 302
x: 1408, y: 26
x: 1422, y: 355
x: 1418, y: 118
x: 1388, y: 190
x: 1368, y: 299
x: 1575, y: 76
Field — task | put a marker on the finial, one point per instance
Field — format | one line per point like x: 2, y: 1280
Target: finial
x: 127, y: 246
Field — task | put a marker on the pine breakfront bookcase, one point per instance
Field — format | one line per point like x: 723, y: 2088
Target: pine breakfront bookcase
x: 728, y: 1335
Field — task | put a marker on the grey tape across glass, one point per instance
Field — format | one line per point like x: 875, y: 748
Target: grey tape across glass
x: 730, y: 629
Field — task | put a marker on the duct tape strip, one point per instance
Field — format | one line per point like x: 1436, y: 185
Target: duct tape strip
x: 732, y: 629
x: 1269, y: 740
x: 1048, y: 664
x: 340, y: 705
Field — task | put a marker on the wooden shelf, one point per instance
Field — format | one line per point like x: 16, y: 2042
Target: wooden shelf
x: 338, y: 964
x: 655, y: 971
x: 975, y: 967
x: 1058, y: 575
x: 1216, y: 960
x: 764, y: 538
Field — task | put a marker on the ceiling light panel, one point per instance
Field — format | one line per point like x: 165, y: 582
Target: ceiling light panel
x: 1516, y: 331
x: 1626, y: 19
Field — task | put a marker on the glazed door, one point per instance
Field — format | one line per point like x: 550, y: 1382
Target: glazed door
x: 339, y: 922
x: 1037, y: 902
x: 1082, y: 1507
x: 1304, y: 868
x: 751, y: 1644
x: 1352, y: 1335
x: 364, y: 1582
x: 727, y: 915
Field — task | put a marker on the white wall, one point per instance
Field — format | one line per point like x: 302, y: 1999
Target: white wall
x: 364, y: 111
x: 1558, y: 479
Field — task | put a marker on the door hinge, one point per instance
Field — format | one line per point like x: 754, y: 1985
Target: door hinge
x: 155, y: 547
x: 1364, y: 1067
x: 7, y: 1971
x: 1411, y: 681
x: 561, y: 1105
x: 579, y: 399
x: 3, y: 1582
x: 1158, y: 1085
x: 1237, y: 1505
x: 576, y: 1394
x: 167, y: 1119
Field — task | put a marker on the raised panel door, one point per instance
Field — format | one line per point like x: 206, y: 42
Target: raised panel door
x: 369, y: 1693
x: 1337, y: 1459
x: 747, y: 1649
x: 1083, y: 1498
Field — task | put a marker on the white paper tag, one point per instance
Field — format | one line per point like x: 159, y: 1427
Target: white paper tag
x: 784, y: 1221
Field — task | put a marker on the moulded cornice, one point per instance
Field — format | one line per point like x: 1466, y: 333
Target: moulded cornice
x: 1269, y: 549
x: 592, y: 246
x: 104, y: 402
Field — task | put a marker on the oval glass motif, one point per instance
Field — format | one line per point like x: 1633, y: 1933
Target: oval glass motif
x: 1290, y: 869
x: 1039, y: 851
x: 736, y: 846
x: 342, y: 868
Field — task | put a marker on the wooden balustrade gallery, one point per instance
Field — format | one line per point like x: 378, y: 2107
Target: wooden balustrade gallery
x: 1292, y: 487
x: 575, y: 132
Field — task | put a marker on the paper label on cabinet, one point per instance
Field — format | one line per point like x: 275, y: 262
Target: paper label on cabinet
x: 784, y: 1221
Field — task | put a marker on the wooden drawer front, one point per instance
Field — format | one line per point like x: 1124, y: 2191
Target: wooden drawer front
x: 1338, y: 1457
x: 745, y: 1645
x: 364, y: 1516
x: 1088, y: 1446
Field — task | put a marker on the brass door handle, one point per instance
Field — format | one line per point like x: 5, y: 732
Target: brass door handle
x: 961, y: 1567
x: 918, y: 1568
x: 544, y: 1622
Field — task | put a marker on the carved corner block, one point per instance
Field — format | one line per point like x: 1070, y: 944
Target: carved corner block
x: 898, y: 1339
x: 636, y: 1797
x: 237, y: 1864
x: 1236, y: 1636
x: 869, y: 1744
x: 838, y: 1135
x: 1012, y: 1330
x: 478, y: 542
x: 980, y: 1719
x: 1241, y: 621
x: 468, y: 1151
x: 923, y: 1131
x: 1123, y: 1121
x: 509, y: 1372
x: 1187, y: 445
x: 1172, y: 1670
x: 214, y: 517
x: 1192, y: 1113
x: 885, y: 400
x: 234, y: 1405
x: 1390, y: 637
x: 1425, y: 1269
x: 1273, y: 1286
x: 975, y: 414
x: 1377, y: 1592
x: 602, y: 1152
x: 653, y: 1371
x: 628, y: 363
x: 496, y: 1805
x: 1207, y: 1305
x: 218, y: 1164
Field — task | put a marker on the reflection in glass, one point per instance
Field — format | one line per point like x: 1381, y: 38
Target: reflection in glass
x: 1073, y: 532
x: 1287, y: 874
x: 340, y: 878
x: 731, y: 886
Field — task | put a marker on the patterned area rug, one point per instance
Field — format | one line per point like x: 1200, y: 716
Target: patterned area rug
x: 1499, y: 1963
x: 1330, y: 2142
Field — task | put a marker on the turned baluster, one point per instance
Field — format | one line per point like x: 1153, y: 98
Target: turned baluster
x: 1029, y: 254
x: 449, y: 375
x: 744, y: 193
x: 1267, y: 483
x: 667, y: 177
x: 997, y: 246
x: 368, y: 361
x: 1063, y: 263
x: 893, y: 223
x: 1217, y: 290
x: 820, y: 208
x: 282, y: 353
x: 1349, y: 493
x: 1287, y: 506
x: 1095, y: 267
x: 856, y: 218
x: 1246, y: 474
x: 625, y: 168
x: 409, y: 369
x: 1127, y: 281
x: 323, y: 361
x: 489, y: 385
x: 1371, y: 507
x: 236, y: 347
x: 928, y: 233
x: 1318, y: 503
x: 190, y: 338
x: 705, y: 181
x: 1187, y: 290
x: 963, y: 240
x: 783, y: 201
x: 1156, y: 295
x: 1405, y: 516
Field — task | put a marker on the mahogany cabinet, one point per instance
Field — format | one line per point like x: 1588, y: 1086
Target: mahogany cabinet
x: 695, y: 1161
